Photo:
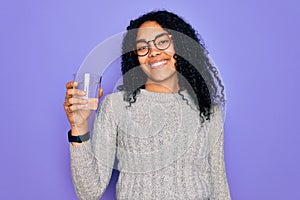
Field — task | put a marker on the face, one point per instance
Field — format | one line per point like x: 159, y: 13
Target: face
x: 158, y: 65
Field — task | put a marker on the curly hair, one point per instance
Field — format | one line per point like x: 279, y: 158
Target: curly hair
x: 197, y: 74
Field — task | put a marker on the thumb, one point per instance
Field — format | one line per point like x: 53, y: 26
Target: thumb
x: 100, y: 92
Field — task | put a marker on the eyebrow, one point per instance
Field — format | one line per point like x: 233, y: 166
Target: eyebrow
x: 143, y: 40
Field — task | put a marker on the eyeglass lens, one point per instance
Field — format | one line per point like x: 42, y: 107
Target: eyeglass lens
x: 161, y: 42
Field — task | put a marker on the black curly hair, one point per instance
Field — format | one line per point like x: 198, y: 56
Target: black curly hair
x: 196, y: 73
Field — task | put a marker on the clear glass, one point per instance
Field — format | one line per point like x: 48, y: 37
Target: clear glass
x: 90, y: 83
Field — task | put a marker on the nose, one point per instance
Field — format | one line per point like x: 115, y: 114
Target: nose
x: 153, y: 51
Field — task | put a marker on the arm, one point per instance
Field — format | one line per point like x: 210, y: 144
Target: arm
x: 216, y: 159
x: 92, y: 162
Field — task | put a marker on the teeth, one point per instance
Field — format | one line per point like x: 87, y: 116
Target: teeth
x: 158, y: 63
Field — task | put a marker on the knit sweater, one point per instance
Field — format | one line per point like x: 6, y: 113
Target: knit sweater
x: 160, y: 147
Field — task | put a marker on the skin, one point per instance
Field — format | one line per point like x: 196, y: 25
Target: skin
x: 74, y: 105
x: 162, y: 78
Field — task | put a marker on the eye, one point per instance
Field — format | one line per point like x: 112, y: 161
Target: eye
x: 141, y: 48
x: 161, y: 42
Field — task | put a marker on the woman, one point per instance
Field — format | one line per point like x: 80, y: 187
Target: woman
x: 164, y: 131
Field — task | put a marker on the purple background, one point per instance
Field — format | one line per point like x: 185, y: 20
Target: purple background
x: 254, y: 43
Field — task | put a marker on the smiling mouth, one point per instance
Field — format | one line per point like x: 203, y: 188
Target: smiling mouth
x: 158, y: 64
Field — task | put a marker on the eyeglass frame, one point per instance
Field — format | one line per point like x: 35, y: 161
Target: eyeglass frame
x: 148, y: 43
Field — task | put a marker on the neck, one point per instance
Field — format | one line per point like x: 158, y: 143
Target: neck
x: 160, y: 88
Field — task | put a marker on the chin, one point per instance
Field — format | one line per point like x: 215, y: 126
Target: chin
x: 161, y: 78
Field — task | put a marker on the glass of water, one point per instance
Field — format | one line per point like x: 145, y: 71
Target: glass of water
x: 90, y: 83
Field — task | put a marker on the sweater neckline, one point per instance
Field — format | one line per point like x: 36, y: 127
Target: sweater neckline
x: 164, y: 96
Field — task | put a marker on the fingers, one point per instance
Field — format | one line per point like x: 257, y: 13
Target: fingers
x: 75, y: 92
x: 100, y: 92
x: 76, y: 107
x: 72, y: 91
x: 71, y: 84
x: 74, y: 100
x: 75, y: 104
x: 70, y: 108
x: 93, y: 103
x: 67, y: 109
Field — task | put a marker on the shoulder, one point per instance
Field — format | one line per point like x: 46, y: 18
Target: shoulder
x: 114, y: 97
x: 110, y: 101
x: 114, y: 101
x: 111, y: 106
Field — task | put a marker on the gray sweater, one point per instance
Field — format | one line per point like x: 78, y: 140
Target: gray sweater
x: 160, y: 147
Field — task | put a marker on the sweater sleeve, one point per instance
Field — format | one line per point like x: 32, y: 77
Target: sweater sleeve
x: 216, y: 158
x: 92, y: 162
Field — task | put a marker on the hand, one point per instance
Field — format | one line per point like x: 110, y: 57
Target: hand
x: 75, y: 108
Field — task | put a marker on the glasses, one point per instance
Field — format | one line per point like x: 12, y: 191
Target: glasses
x: 161, y: 42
